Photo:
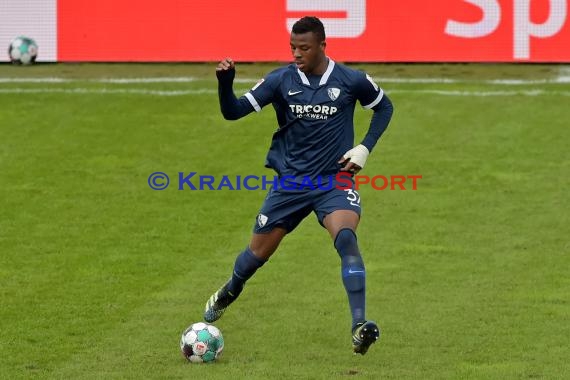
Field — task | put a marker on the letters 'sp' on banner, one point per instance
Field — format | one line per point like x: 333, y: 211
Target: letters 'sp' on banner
x: 258, y: 30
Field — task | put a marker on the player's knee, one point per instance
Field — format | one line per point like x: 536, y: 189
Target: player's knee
x: 345, y: 242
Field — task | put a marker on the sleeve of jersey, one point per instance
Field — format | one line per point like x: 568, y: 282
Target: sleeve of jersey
x: 262, y: 93
x: 380, y: 120
x: 232, y: 108
x: 372, y: 97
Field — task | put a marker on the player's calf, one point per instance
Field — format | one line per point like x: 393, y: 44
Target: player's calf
x: 245, y: 266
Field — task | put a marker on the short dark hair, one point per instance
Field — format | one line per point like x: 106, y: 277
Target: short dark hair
x: 309, y: 24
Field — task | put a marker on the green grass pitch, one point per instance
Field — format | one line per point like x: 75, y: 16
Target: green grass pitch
x: 468, y: 276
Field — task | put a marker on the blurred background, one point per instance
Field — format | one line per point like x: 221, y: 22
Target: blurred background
x: 257, y: 30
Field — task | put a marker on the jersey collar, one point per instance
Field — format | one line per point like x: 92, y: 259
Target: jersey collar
x: 324, y: 78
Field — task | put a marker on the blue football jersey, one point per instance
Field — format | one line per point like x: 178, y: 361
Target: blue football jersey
x: 315, y: 116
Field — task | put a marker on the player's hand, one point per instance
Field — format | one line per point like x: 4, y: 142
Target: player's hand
x: 226, y: 69
x: 354, y: 159
x: 226, y: 64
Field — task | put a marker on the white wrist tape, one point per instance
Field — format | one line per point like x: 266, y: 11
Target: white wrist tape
x: 357, y: 155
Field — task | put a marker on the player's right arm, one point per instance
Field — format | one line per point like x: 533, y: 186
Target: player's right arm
x: 232, y: 108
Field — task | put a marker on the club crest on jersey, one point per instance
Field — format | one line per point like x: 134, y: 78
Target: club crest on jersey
x: 333, y: 93
x: 261, y: 220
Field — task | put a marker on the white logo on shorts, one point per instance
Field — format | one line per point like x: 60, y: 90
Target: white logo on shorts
x: 262, y: 220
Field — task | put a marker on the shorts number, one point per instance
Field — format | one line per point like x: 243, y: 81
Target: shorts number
x: 353, y: 197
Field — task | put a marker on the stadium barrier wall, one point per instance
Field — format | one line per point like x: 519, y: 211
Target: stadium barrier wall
x: 258, y: 30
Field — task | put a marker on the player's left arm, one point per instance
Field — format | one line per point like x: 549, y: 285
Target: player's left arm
x: 372, y: 97
x: 379, y: 123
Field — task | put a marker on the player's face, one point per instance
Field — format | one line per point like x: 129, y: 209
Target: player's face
x: 308, y: 52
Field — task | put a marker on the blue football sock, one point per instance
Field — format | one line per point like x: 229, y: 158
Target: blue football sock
x: 353, y: 273
x: 245, y: 266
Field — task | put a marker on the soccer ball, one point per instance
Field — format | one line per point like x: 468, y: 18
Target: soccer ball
x: 201, y: 343
x: 23, y: 51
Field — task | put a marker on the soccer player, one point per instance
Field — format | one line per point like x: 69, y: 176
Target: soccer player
x: 314, y: 100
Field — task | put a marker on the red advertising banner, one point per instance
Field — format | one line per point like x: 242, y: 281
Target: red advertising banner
x: 357, y: 30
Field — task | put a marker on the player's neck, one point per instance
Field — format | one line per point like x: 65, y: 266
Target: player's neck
x: 321, y: 68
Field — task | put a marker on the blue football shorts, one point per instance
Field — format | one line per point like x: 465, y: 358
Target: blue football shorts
x: 287, y: 208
